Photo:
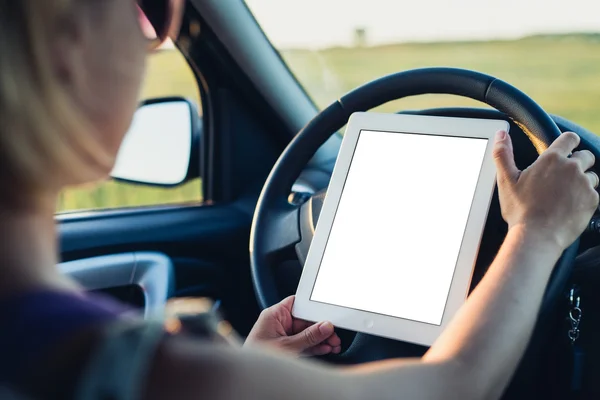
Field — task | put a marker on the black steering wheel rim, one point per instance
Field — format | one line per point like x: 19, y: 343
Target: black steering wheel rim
x: 276, y: 222
x: 273, y: 204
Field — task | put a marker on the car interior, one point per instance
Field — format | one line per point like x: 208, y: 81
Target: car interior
x: 264, y: 152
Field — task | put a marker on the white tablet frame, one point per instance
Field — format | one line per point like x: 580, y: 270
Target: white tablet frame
x: 384, y: 325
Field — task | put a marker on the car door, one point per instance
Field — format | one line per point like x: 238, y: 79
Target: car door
x: 143, y: 242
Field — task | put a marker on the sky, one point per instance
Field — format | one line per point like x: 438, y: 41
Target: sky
x: 325, y: 23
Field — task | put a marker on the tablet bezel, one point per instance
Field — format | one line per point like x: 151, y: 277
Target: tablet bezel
x: 384, y: 325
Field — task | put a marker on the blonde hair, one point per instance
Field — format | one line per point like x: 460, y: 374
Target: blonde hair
x: 45, y: 141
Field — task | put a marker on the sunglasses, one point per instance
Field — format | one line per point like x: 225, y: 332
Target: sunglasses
x: 159, y: 19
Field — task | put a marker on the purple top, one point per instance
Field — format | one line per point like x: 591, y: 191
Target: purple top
x: 33, y: 324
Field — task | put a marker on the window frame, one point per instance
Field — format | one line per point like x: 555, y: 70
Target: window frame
x: 196, y: 167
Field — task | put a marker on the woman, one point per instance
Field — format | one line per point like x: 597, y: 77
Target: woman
x: 70, y: 73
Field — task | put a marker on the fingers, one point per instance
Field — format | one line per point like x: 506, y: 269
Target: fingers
x: 319, y: 350
x: 287, y: 303
x: 593, y: 178
x: 331, y: 345
x: 281, y: 311
x: 505, y: 159
x: 322, y: 350
x: 310, y: 337
x: 334, y: 341
x: 565, y: 144
x: 584, y: 158
x: 298, y: 325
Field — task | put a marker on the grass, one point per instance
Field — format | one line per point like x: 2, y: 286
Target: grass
x: 168, y: 74
x: 562, y: 73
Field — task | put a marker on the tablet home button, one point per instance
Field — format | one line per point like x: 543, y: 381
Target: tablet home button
x: 369, y: 323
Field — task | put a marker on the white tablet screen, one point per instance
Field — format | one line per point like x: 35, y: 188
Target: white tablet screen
x: 398, y: 228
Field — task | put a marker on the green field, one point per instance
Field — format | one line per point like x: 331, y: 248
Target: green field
x: 168, y: 74
x: 562, y: 73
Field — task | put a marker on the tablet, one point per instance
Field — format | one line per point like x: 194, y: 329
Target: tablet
x: 399, y: 232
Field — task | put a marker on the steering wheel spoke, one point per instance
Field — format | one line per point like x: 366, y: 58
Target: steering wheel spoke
x: 285, y: 230
x: 309, y: 215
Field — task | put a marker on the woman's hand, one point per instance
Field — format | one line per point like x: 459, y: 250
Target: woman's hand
x: 276, y: 327
x: 555, y: 197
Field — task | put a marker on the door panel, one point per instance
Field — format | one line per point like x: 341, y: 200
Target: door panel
x: 205, y: 226
x: 169, y: 252
x: 152, y: 273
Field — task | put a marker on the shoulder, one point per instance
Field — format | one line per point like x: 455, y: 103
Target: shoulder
x: 129, y: 355
x: 47, y: 327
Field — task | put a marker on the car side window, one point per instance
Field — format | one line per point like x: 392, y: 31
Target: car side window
x: 168, y: 75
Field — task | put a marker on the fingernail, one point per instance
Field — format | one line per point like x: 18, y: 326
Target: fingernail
x: 500, y: 135
x: 326, y: 328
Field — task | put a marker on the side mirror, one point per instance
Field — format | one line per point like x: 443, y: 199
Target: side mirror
x: 157, y: 149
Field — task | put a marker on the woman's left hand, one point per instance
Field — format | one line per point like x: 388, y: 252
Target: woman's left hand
x: 276, y: 327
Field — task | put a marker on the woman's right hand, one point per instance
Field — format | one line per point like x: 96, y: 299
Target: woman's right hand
x: 555, y: 197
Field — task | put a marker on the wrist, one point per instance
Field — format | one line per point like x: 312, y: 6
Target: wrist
x: 544, y: 241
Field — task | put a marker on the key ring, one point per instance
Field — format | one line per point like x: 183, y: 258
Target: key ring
x: 575, y: 315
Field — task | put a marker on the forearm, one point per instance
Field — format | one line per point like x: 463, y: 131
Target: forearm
x: 478, y: 351
x: 489, y: 334
x: 473, y: 359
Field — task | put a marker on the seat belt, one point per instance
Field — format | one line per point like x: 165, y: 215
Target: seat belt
x: 120, y: 364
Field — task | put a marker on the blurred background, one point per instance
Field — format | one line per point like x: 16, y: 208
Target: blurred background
x: 549, y: 49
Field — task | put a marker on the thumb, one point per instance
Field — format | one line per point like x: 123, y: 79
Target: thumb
x: 310, y: 337
x: 505, y: 159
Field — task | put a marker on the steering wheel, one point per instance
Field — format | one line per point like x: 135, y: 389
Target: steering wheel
x: 279, y: 226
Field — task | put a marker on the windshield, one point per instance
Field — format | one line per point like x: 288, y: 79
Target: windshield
x: 550, y: 49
